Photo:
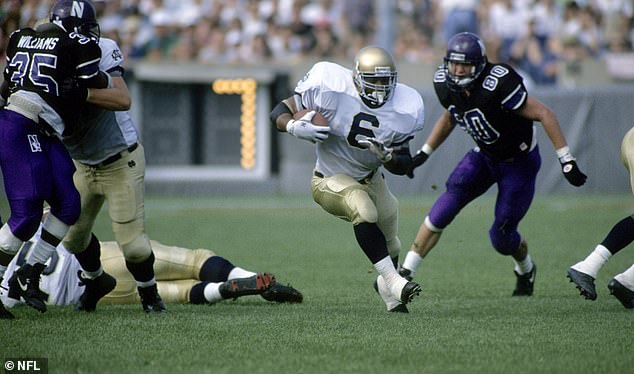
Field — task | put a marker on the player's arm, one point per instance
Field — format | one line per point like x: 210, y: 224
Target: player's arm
x: 116, y: 97
x: 302, y: 128
x: 443, y: 127
x: 537, y: 111
x: 4, y: 92
x: 283, y: 112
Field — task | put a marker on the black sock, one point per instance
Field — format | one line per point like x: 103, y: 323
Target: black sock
x: 142, y: 271
x: 371, y: 240
x: 197, y: 293
x: 621, y: 235
x: 89, y: 258
x: 216, y: 269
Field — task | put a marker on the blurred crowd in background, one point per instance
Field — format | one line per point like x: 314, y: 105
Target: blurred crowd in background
x: 533, y: 35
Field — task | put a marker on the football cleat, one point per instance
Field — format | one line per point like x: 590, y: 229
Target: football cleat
x: 282, y: 294
x: 254, y: 285
x: 392, y: 304
x: 405, y: 273
x: 622, y: 293
x: 409, y: 291
x: 4, y: 313
x: 151, y: 300
x: 525, y: 283
x: 94, y: 290
x: 25, y: 284
x: 583, y: 282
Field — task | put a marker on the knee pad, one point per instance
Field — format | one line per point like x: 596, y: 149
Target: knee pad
x: 137, y: 250
x: 55, y: 226
x: 363, y: 208
x: 506, y: 243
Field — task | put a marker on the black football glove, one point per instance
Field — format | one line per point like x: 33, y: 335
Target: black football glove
x: 417, y: 161
x: 572, y: 173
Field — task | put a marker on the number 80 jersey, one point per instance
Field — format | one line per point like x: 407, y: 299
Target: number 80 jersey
x: 329, y: 89
x: 488, y: 112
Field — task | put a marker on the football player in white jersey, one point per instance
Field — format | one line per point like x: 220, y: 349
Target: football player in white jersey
x: 196, y: 276
x: 371, y: 120
x: 584, y: 273
x: 110, y: 165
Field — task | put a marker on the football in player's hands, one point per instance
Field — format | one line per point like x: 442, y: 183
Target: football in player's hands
x: 309, y: 125
x: 317, y: 120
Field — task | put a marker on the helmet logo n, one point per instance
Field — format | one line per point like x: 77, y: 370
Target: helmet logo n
x: 77, y: 9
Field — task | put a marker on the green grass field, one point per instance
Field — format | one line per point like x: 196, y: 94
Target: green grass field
x: 465, y: 320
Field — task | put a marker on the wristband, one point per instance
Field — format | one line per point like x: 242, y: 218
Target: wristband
x: 427, y: 149
x: 564, y: 155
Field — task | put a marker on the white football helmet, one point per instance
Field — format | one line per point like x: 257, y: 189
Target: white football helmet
x: 374, y: 75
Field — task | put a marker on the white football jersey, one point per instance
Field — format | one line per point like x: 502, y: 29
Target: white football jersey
x: 104, y: 133
x: 59, y: 279
x: 329, y: 89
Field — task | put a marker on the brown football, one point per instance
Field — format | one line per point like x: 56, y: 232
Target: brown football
x: 318, y: 119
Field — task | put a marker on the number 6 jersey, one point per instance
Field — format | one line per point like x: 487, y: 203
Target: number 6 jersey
x: 329, y: 89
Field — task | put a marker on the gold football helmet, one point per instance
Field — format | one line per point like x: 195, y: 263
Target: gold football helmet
x: 374, y: 75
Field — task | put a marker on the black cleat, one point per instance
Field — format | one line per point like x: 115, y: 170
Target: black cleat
x: 525, y: 283
x: 151, y: 300
x: 4, y: 313
x: 400, y: 308
x: 282, y: 294
x: 622, y: 293
x: 409, y: 291
x: 94, y: 291
x: 255, y: 285
x: 25, y: 284
x: 584, y: 283
x: 405, y: 273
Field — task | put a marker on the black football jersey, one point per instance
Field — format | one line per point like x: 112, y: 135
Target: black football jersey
x: 488, y: 114
x: 47, y: 61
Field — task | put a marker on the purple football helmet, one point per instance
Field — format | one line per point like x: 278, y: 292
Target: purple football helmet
x: 76, y: 15
x: 464, y: 48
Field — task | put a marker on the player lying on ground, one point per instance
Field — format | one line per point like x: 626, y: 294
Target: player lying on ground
x: 195, y: 276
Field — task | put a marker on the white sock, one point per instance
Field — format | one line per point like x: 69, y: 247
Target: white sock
x: 238, y: 272
x: 626, y: 278
x: 524, y: 266
x: 390, y: 300
x: 212, y: 292
x: 412, y: 262
x: 593, y: 263
x: 40, y: 253
x: 3, y: 269
x: 394, y: 282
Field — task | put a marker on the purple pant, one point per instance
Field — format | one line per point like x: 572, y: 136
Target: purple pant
x: 36, y: 168
x: 473, y: 176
